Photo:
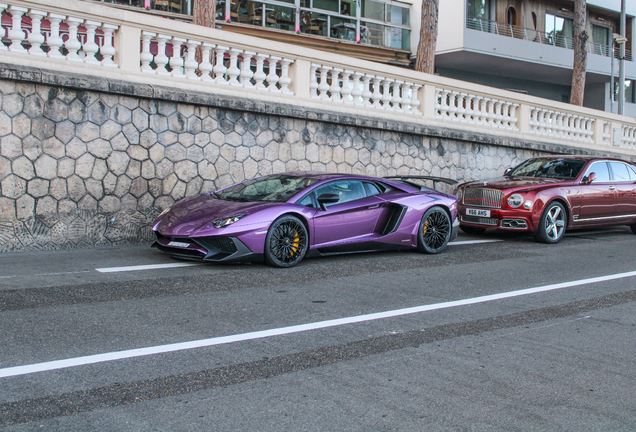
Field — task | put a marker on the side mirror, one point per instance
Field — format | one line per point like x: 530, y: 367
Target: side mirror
x: 589, y: 179
x: 507, y: 170
x: 327, y: 198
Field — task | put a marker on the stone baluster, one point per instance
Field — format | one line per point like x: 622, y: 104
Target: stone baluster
x: 490, y: 110
x: 513, y: 117
x: 377, y: 96
x: 469, y: 112
x: 482, y: 108
x: 534, y: 121
x: 386, y: 94
x: 90, y: 46
x: 461, y: 106
x: 233, y: 71
x: 356, y: 92
x: 36, y: 38
x: 108, y: 50
x: 146, y: 56
x: 161, y: 59
x: 190, y: 65
x: 73, y: 45
x: 406, y: 98
x: 439, y: 98
x: 3, y: 7
x: 499, y: 114
x: 577, y: 128
x: 176, y: 61
x: 272, y: 76
x: 397, y: 97
x: 346, y: 86
x: 54, y: 41
x: 366, y: 89
x: 323, y: 86
x: 246, y: 70
x: 259, y: 75
x: 285, y: 79
x: 313, y: 81
x: 206, y: 65
x: 453, y: 107
x: 415, y: 100
x: 335, y: 85
x: 219, y: 67
x: 16, y: 34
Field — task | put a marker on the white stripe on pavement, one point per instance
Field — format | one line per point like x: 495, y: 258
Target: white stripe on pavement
x: 465, y: 242
x: 139, y: 352
x: 144, y: 267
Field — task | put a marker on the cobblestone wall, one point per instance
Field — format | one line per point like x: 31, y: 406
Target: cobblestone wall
x: 84, y: 169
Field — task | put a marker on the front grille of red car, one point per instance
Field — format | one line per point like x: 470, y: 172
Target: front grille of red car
x: 479, y: 220
x: 479, y: 197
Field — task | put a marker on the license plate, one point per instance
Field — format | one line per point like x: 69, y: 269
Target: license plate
x: 179, y: 244
x: 479, y: 213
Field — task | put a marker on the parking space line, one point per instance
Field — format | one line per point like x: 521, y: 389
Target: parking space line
x: 465, y: 242
x: 160, y: 349
x: 144, y: 267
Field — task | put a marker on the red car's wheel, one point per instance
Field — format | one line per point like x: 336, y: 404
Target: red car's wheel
x: 435, y: 231
x: 633, y: 227
x: 286, y: 242
x: 552, y: 225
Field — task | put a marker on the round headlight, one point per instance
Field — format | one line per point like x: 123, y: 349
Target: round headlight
x: 527, y: 204
x: 515, y: 200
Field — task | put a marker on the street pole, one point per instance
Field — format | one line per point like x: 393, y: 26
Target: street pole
x: 611, y: 92
x: 621, y: 67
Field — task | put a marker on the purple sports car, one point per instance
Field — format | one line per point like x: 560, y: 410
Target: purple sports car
x: 282, y: 218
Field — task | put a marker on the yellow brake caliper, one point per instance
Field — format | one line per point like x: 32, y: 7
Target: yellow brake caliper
x: 425, y: 227
x: 295, y: 244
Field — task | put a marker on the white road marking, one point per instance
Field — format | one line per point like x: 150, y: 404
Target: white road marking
x: 465, y: 242
x: 140, y: 352
x: 144, y: 267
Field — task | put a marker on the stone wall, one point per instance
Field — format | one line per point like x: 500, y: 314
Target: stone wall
x: 84, y: 168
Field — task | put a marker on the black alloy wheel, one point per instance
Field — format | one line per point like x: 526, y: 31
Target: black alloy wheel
x: 435, y: 231
x: 286, y: 242
x: 552, y: 224
x: 472, y: 230
x: 633, y: 227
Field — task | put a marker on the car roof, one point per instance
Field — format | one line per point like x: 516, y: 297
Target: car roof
x: 586, y: 158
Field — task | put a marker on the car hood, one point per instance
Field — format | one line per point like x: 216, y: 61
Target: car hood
x: 190, y: 215
x: 513, y: 182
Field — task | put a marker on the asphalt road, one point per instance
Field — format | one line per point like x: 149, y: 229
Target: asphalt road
x: 509, y: 335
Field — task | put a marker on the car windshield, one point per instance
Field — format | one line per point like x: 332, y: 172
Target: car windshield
x: 559, y: 168
x: 275, y: 188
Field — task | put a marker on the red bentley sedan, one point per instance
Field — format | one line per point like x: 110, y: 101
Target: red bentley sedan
x: 547, y: 195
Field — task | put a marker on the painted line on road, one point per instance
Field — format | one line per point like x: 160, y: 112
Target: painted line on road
x: 144, y: 267
x: 465, y: 242
x: 161, y: 349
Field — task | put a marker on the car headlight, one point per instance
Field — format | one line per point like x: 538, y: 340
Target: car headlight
x: 515, y: 200
x: 223, y: 222
x: 527, y: 204
x: 164, y: 212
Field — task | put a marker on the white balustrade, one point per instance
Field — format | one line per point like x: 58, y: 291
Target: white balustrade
x: 36, y: 38
x: 628, y: 136
x: 335, y: 85
x: 607, y: 133
x: 16, y: 34
x: 473, y: 109
x: 205, y: 67
x: 90, y: 47
x: 560, y: 125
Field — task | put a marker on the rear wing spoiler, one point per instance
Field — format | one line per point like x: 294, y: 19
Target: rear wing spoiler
x: 435, y: 180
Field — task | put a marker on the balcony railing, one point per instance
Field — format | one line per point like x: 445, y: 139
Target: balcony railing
x: 501, y: 29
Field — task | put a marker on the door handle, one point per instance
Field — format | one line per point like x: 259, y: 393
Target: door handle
x: 374, y: 206
x: 612, y: 188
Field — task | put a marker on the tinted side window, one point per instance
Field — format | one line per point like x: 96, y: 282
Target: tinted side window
x: 307, y: 201
x: 601, y: 171
x: 620, y: 171
x: 347, y: 190
x: 371, y: 189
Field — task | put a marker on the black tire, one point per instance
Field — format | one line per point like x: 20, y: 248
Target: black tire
x: 435, y: 231
x: 633, y: 227
x: 472, y: 230
x: 286, y: 243
x: 552, y: 224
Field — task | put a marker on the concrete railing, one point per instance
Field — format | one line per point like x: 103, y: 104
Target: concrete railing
x: 88, y: 38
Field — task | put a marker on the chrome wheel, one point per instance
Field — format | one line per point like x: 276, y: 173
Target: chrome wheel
x: 553, y: 224
x: 435, y: 231
x: 286, y: 242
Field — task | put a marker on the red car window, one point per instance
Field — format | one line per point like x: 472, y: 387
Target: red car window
x: 620, y: 171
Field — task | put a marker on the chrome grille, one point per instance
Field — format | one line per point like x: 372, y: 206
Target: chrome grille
x: 478, y: 197
x: 479, y: 220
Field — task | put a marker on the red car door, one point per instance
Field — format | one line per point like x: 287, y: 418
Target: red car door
x: 598, y: 199
x: 625, y: 183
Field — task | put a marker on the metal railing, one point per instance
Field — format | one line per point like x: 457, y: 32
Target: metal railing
x: 508, y: 30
